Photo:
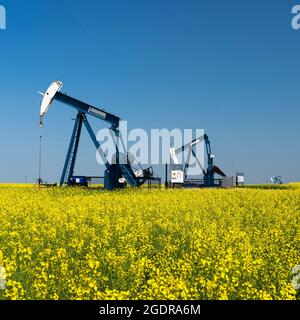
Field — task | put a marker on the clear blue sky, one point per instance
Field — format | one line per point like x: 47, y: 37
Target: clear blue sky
x: 229, y: 67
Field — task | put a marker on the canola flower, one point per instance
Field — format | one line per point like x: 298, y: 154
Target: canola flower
x: 157, y: 244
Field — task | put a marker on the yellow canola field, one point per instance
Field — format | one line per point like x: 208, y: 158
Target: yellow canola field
x: 140, y: 244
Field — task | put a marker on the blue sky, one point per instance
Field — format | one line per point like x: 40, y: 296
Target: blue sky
x: 229, y: 67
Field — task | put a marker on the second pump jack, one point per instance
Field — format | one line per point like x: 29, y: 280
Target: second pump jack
x: 179, y: 172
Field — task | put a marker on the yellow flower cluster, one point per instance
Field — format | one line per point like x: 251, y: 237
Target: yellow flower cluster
x: 141, y: 244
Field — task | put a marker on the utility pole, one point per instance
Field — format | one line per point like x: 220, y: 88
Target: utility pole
x: 166, y: 176
x: 40, y: 163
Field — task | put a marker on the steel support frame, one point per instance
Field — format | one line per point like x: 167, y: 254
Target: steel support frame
x: 70, y: 161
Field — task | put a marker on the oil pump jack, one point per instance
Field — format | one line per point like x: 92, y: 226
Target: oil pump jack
x: 179, y: 172
x: 117, y: 174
